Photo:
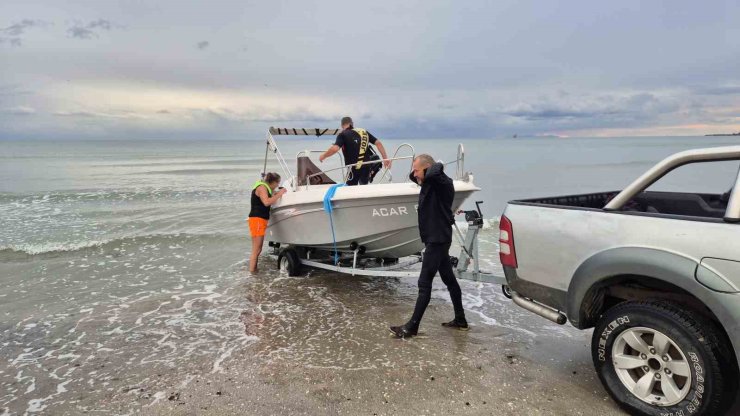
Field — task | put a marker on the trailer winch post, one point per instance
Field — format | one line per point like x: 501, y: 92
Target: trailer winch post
x: 469, y: 250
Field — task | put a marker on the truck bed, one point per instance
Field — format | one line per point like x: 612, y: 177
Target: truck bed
x: 594, y: 201
x: 651, y: 202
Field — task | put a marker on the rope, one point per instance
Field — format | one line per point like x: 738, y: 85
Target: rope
x: 329, y: 209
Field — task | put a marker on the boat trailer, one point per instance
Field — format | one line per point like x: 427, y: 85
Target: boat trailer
x: 291, y: 259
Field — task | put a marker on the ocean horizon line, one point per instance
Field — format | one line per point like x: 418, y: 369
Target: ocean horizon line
x: 309, y: 138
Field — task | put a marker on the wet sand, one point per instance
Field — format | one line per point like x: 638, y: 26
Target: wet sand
x: 322, y: 347
x: 120, y: 329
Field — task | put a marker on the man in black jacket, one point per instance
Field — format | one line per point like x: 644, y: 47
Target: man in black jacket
x: 435, y: 228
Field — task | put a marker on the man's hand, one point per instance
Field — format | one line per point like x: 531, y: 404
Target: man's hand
x: 387, y: 163
x: 321, y: 158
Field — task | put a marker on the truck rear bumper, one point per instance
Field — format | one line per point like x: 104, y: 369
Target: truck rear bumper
x: 549, y: 296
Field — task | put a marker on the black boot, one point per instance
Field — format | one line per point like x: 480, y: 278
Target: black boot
x: 460, y: 324
x: 404, y: 331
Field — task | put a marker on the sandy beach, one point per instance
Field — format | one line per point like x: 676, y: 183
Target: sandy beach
x: 322, y: 347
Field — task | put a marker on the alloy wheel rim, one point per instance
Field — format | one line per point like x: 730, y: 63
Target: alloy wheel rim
x: 651, y: 366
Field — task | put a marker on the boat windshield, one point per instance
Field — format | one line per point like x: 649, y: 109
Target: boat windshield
x: 309, y: 174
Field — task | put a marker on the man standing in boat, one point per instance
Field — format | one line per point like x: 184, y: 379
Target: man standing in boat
x: 435, y: 228
x: 355, y: 145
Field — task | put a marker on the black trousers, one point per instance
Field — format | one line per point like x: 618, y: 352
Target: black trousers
x: 359, y: 176
x: 436, y: 259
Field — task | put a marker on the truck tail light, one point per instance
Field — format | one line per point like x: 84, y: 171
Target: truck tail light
x: 507, y: 252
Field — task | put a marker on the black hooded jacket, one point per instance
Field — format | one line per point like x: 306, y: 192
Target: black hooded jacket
x: 435, y: 205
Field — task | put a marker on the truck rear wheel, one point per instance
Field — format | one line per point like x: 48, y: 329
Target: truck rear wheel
x: 654, y: 358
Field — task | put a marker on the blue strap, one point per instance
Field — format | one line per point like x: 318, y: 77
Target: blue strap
x: 329, y: 209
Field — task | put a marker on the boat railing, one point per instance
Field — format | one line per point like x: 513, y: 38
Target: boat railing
x: 372, y: 162
x: 346, y: 169
x: 459, y: 162
x: 395, y: 154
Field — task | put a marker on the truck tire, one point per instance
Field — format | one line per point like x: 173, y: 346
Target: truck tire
x: 654, y: 358
x: 289, y: 262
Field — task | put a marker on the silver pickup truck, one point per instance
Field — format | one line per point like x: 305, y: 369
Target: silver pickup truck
x: 656, y: 274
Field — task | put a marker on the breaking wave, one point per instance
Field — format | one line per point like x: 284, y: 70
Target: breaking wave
x: 198, y: 171
x: 247, y: 161
x: 52, y: 248
x: 14, y: 201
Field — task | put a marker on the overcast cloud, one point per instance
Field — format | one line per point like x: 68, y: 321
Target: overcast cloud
x: 228, y: 69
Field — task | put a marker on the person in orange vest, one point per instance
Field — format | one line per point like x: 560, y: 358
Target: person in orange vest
x: 264, y: 194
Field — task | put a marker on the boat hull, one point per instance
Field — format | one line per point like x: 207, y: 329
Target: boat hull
x: 383, y: 220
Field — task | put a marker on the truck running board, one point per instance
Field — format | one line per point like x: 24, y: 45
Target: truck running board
x: 539, y: 309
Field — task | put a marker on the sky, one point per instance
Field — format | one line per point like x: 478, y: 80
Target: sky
x: 402, y: 69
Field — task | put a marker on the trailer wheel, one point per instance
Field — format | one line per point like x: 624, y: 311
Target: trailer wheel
x: 506, y: 291
x: 289, y: 262
x: 655, y: 358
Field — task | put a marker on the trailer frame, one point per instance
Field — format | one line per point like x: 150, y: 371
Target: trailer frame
x: 292, y: 258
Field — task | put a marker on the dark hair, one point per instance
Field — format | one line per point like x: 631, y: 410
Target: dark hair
x: 271, y: 177
x: 347, y: 120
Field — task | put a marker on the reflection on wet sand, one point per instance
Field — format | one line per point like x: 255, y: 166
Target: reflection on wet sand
x: 320, y: 320
x: 324, y: 336
x: 327, y: 320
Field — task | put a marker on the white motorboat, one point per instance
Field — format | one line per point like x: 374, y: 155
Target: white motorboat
x: 378, y: 220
